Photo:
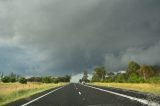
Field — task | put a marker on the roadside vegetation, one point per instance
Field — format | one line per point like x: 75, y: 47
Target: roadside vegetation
x: 139, y: 77
x: 141, y: 87
x: 14, y: 87
x: 10, y: 92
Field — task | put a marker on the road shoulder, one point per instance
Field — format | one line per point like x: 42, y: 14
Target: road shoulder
x: 141, y: 97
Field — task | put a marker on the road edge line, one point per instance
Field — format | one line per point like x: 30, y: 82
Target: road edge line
x: 43, y: 96
x: 146, y: 102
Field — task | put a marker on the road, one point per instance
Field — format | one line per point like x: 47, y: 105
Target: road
x: 77, y: 95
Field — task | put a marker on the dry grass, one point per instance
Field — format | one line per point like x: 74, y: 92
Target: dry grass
x: 13, y: 91
x: 142, y: 87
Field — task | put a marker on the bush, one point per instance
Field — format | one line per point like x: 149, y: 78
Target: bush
x: 12, y: 79
x: 35, y: 79
x: 6, y: 79
x: 155, y: 80
x: 109, y: 79
x: 120, y: 78
x: 95, y: 78
x: 23, y: 80
x: 134, y: 78
x: 46, y: 79
x: 55, y: 80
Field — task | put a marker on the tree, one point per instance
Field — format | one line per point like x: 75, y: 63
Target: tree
x: 10, y: 78
x: 156, y: 70
x: 35, y: 79
x: 99, y: 74
x: 146, y: 71
x: 120, y: 78
x: 6, y: 79
x: 13, y: 77
x: 23, y: 80
x: 110, y: 74
x: 85, y: 77
x: 133, y: 67
x: 55, y: 80
x: 95, y: 78
x: 67, y: 78
x: 80, y: 80
x: 134, y: 78
x: 62, y: 79
x: 109, y: 79
x: 47, y: 79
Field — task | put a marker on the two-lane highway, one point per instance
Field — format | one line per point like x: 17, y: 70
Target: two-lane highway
x: 79, y: 95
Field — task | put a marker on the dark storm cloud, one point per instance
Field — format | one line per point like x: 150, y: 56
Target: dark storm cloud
x: 66, y: 37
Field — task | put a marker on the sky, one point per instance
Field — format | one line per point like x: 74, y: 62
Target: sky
x: 59, y: 37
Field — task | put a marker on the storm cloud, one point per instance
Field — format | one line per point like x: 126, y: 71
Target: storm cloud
x: 67, y: 37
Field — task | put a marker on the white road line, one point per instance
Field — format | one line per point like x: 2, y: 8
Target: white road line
x: 75, y: 86
x: 80, y: 93
x: 76, y: 89
x: 42, y: 96
x: 146, y: 102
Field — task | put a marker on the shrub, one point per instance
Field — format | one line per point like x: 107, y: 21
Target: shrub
x: 55, y: 80
x: 12, y: 79
x: 95, y: 78
x: 109, y: 79
x: 120, y: 78
x: 35, y: 79
x: 154, y: 80
x: 5, y: 79
x: 134, y: 78
x: 46, y: 79
x: 23, y: 80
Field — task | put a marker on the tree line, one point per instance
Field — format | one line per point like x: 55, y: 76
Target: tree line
x: 12, y: 78
x: 50, y: 79
x: 134, y: 73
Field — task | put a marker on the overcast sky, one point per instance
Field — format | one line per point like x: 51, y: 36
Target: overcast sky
x: 58, y: 37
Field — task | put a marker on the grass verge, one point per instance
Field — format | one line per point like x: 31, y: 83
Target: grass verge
x: 141, y: 87
x: 10, y: 92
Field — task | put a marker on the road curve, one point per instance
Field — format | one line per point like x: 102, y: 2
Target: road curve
x: 76, y: 95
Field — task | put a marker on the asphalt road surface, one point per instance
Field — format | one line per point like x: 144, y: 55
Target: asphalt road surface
x: 77, y: 95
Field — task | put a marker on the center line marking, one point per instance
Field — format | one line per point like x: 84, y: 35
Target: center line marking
x: 80, y: 93
x: 75, y: 86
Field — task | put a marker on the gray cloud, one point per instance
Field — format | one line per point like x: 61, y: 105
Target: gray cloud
x: 66, y: 37
x: 147, y: 55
